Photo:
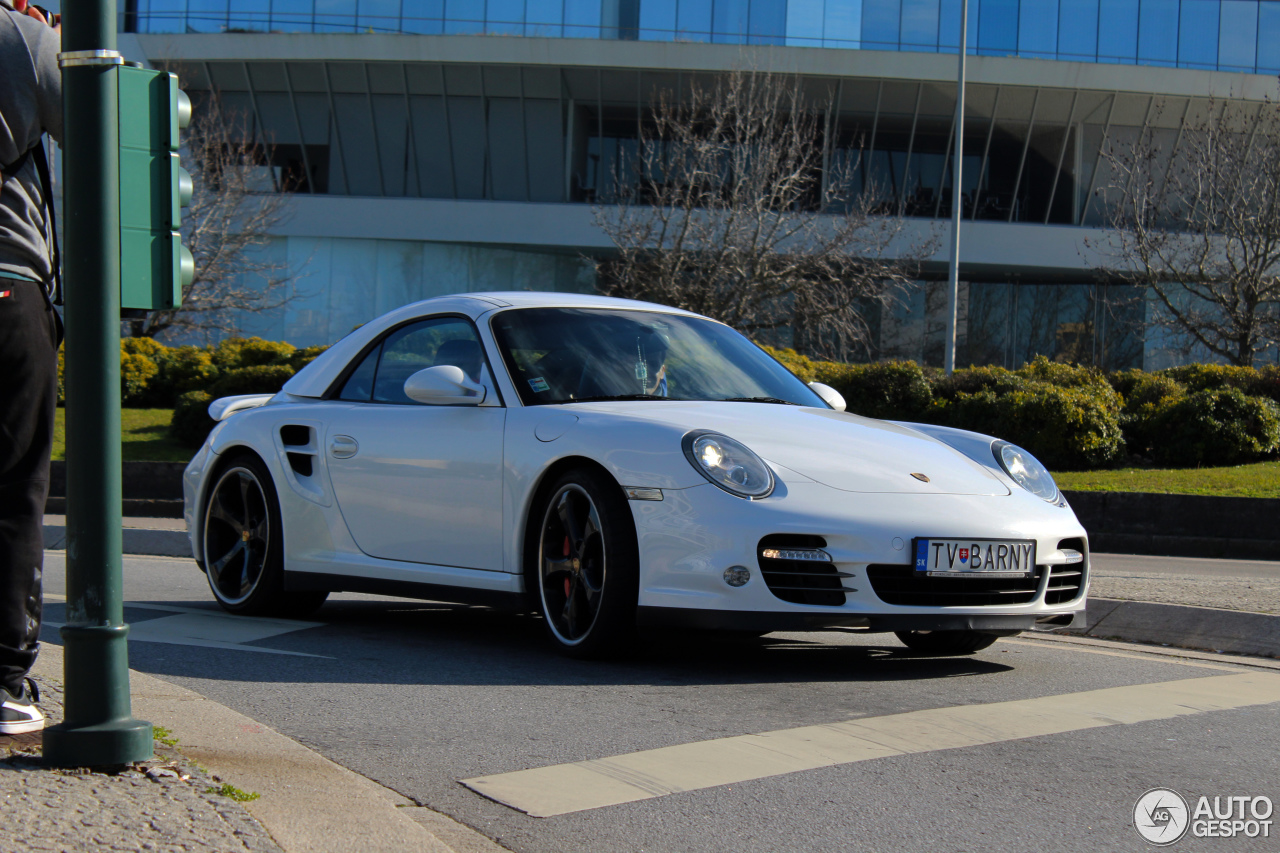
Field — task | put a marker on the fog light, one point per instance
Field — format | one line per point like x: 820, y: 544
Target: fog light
x: 737, y: 575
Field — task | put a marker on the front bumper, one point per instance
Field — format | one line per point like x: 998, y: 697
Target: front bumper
x: 688, y: 539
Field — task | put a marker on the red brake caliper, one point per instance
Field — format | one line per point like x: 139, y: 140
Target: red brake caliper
x: 566, y: 580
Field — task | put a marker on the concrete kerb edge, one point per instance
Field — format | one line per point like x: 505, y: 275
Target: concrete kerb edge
x: 136, y: 541
x: 1207, y: 628
x: 307, y: 803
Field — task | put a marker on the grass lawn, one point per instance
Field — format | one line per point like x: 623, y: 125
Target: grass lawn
x: 144, y: 436
x: 1260, y: 480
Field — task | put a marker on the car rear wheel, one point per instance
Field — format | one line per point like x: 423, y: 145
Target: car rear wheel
x: 242, y: 544
x: 946, y: 642
x: 585, y: 566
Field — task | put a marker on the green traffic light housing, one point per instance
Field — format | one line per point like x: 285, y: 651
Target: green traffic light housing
x: 154, y: 265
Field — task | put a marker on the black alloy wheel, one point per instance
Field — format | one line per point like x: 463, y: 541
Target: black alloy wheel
x: 242, y: 544
x: 585, y: 566
x: 946, y: 643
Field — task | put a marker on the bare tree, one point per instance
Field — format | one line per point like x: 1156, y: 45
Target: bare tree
x: 1194, y: 219
x: 237, y: 200
x: 735, y: 206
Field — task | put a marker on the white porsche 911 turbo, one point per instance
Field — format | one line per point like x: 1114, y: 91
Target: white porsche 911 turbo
x: 619, y: 464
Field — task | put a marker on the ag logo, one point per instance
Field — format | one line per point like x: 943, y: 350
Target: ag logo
x: 1161, y: 816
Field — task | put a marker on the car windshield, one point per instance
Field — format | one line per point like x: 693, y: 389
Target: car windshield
x: 567, y: 355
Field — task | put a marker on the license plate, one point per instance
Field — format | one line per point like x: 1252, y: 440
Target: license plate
x: 985, y: 557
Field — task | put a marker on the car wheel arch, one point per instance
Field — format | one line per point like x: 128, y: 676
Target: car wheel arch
x: 226, y: 456
x: 538, y: 493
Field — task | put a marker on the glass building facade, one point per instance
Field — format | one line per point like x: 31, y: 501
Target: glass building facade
x: 1228, y: 35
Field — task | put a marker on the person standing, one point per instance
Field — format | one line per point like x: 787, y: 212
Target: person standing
x: 30, y: 106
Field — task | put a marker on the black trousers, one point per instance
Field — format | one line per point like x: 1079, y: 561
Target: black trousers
x: 28, y: 394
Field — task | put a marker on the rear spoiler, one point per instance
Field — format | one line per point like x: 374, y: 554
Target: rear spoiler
x: 224, y: 407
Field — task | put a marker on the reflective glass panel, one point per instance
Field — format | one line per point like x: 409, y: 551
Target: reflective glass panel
x: 544, y: 18
x: 842, y: 24
x: 657, y: 20
x: 335, y: 16
x: 729, y: 21
x: 693, y: 20
x: 286, y: 15
x: 206, y: 16
x: 804, y: 22
x: 880, y: 19
x: 1038, y: 29
x: 920, y: 25
x: 379, y: 16
x: 997, y: 27
x: 1198, y: 34
x: 582, y: 19
x: 167, y: 16
x: 768, y: 23
x: 949, y: 26
x: 504, y: 16
x: 1238, y: 35
x: 1078, y: 29
x: 1158, y: 32
x: 1268, y: 38
x: 1118, y: 31
x: 464, y: 16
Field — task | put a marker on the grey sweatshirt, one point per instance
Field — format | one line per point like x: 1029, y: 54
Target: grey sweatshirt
x: 30, y: 104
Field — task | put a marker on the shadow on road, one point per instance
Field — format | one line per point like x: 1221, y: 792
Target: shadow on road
x: 389, y: 641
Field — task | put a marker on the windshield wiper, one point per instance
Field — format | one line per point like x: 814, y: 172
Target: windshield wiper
x: 758, y: 400
x: 602, y: 397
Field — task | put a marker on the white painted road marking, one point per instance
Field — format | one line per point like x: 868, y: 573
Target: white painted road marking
x: 211, y: 629
x: 564, y: 788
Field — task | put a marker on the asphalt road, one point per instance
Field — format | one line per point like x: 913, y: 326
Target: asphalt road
x: 420, y: 696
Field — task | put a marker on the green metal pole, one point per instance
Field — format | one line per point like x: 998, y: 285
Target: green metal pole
x: 98, y: 728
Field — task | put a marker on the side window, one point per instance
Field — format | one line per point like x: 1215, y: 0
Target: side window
x: 448, y: 340
x: 359, y: 385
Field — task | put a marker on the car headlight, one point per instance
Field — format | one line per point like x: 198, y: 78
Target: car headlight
x: 728, y: 464
x: 1026, y: 470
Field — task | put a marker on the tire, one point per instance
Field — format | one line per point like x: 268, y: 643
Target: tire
x: 242, y: 544
x: 946, y: 642
x: 582, y: 564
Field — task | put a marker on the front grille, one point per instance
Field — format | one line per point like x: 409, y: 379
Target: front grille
x: 801, y: 581
x: 1065, y: 582
x: 902, y: 585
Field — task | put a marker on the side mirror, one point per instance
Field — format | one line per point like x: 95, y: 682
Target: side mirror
x: 444, y: 385
x: 829, y: 395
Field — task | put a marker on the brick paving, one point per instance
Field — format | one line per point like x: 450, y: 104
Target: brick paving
x: 160, y: 805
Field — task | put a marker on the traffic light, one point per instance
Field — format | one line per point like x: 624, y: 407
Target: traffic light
x: 154, y: 265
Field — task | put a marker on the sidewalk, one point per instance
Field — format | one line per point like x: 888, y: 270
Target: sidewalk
x: 306, y: 803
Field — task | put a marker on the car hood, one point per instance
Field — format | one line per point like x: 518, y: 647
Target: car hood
x: 838, y: 449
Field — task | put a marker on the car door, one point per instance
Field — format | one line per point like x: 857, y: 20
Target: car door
x: 419, y: 483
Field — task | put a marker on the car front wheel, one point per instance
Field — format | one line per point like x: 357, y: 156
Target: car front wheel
x: 243, y: 544
x: 946, y: 642
x: 585, y: 565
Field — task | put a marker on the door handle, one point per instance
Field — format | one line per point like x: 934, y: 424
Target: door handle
x: 343, y: 447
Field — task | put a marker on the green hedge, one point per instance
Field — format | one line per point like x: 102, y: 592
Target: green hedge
x: 155, y: 376
x: 191, y: 422
x: 1073, y: 416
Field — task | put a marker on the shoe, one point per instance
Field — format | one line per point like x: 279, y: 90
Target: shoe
x: 19, y: 714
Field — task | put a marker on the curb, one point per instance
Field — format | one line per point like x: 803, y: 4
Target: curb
x: 135, y: 541
x: 1207, y: 628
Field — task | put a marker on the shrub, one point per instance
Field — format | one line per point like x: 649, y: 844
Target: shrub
x: 1041, y: 369
x: 1068, y: 428
x: 263, y: 379
x: 1266, y: 383
x: 1202, y: 377
x: 191, y: 422
x: 301, y: 358
x: 972, y: 380
x: 136, y: 371
x: 1145, y: 394
x: 892, y: 390
x: 149, y: 347
x: 234, y: 353
x: 182, y: 369
x: 1220, y: 426
x: 800, y: 365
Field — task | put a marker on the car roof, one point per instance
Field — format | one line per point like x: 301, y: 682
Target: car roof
x: 316, y: 378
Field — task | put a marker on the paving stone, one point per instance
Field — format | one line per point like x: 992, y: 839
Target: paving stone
x: 127, y: 810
